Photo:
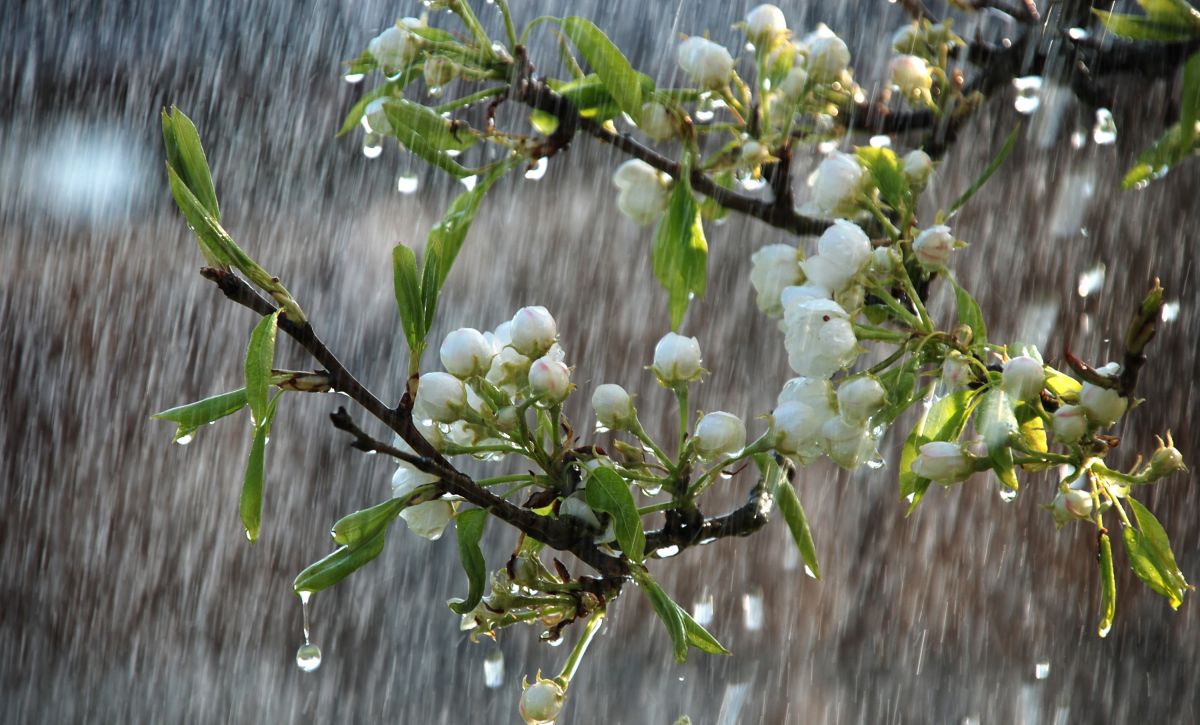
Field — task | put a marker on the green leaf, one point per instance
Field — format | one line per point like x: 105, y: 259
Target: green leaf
x: 338, y: 565
x: 1064, y: 386
x: 699, y: 637
x: 1172, y: 12
x: 214, y: 241
x: 193, y: 415
x: 992, y: 166
x: 185, y: 154
x: 353, y: 529
x: 680, y: 252
x: 668, y: 611
x: 789, y: 505
x: 542, y: 122
x: 1004, y: 468
x: 428, y: 135
x: 901, y: 384
x: 1154, y: 163
x: 250, y: 502
x: 354, y: 117
x: 469, y: 525
x: 946, y: 420
x: 447, y: 237
x: 609, y: 63
x: 1189, y: 99
x: 887, y: 172
x: 260, y: 358
x: 969, y: 314
x: 609, y: 493
x: 1138, y: 27
x: 1151, y: 557
x: 407, y: 286
x: 1108, y: 587
x: 1033, y: 432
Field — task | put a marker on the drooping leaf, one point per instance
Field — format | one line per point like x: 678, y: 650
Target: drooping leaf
x: 609, y: 493
x: 260, y: 358
x: 353, y: 529
x: 414, y: 119
x: 250, y: 501
x: 680, y: 252
x: 407, y: 285
x: 667, y: 610
x: 609, y: 63
x: 338, y: 565
x: 1108, y: 586
x: 992, y: 166
x: 193, y: 415
x: 469, y: 525
x: 793, y: 513
x: 1151, y: 557
x: 185, y: 154
x: 447, y: 237
x: 699, y: 637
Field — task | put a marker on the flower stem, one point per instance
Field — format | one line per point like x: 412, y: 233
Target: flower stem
x: 580, y: 649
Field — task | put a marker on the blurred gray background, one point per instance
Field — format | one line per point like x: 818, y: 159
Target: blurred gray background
x: 130, y: 594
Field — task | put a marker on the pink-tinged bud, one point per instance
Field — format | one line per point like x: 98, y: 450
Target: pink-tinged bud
x: 719, y: 434
x: 1069, y: 423
x: 912, y: 75
x: 933, y: 246
x: 1103, y: 405
x: 956, y: 371
x: 549, y: 380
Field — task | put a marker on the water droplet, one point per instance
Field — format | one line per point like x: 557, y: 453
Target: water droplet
x: 881, y: 141
x: 1170, y: 311
x: 600, y: 429
x: 452, y: 153
x: 407, y: 183
x: 667, y: 552
x: 650, y: 488
x: 825, y: 147
x: 702, y: 609
x: 554, y: 642
x: 1029, y: 90
x: 910, y: 497
x: 808, y: 570
x: 493, y: 669
x: 749, y: 47
x: 1078, y: 34
x: 308, y: 657
x: 434, y: 92
x: 752, y: 184
x: 1041, y: 670
x: 1007, y: 495
x: 1105, y: 130
x: 752, y: 611
x: 372, y: 146
x: 185, y: 439
x: 724, y: 475
x: 469, y: 181
x: 538, y: 170
x: 704, y: 115
x: 1091, y: 280
x: 1078, y: 139
x: 354, y: 77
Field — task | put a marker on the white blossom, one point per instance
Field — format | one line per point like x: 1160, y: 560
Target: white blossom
x: 719, y: 434
x: 677, y: 359
x: 917, y: 168
x: 842, y: 250
x: 396, y: 47
x: 796, y: 430
x: 859, y: 398
x: 442, y: 396
x: 466, y: 352
x: 533, y: 331
x: 1069, y: 423
x: 819, y: 338
x: 1023, y: 378
x: 828, y: 55
x: 816, y: 393
x: 847, y: 443
x: 1103, y: 405
x: 793, y: 84
x: 773, y: 268
x: 837, y: 184
x: 956, y: 371
x: 657, y: 122
x: 912, y: 75
x: 708, y: 63
x: 643, y: 191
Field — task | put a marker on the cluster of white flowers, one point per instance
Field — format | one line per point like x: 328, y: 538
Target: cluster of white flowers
x: 644, y: 191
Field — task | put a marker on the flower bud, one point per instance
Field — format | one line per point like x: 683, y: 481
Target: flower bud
x: 509, y: 370
x: 837, y: 184
x: 396, y: 46
x: 956, y: 371
x: 541, y: 701
x: 796, y: 429
x: 533, y: 331
x: 793, y: 84
x: 933, y: 246
x: 644, y: 192
x: 764, y: 23
x: 657, y: 122
x: 842, y: 250
x: 466, y: 352
x: 1069, y: 423
x: 376, y: 118
x: 905, y: 39
x: 1166, y: 460
x: 677, y: 359
x: 428, y: 520
x: 753, y: 154
x: 719, y: 434
x: 1103, y: 405
x: 942, y: 461
x: 442, y: 396
x: 1075, y: 503
x: 1023, y: 378
x: 439, y: 71
x: 819, y: 338
x: 911, y: 74
x: 828, y: 55
x: 859, y: 398
x: 708, y: 63
x: 549, y: 380
x: 917, y: 168
x: 816, y: 393
x: 884, y: 260
x: 614, y: 407
x: 847, y: 443
x: 773, y: 268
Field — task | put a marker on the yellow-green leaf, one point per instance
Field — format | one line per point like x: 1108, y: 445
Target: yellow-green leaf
x: 609, y: 63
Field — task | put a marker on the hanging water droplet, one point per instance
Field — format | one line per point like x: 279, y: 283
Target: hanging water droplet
x: 704, y: 109
x: 881, y: 141
x: 752, y: 184
x: 493, y: 669
x: 434, y: 92
x: 600, y: 428
x: 372, y: 145
x: 1091, y: 280
x: 407, y: 183
x: 725, y: 475
x: 1007, y: 495
x: 1105, y: 130
x: 1029, y: 94
x: 809, y: 572
x: 667, y: 552
x: 183, y: 440
x: 354, y: 77
x: 1170, y: 311
x: 452, y: 153
x: 1078, y: 139
x: 469, y: 181
x: 308, y: 657
x: 1041, y: 670
x: 702, y: 609
x: 825, y: 147
x: 538, y: 170
x: 752, y: 610
x: 650, y: 488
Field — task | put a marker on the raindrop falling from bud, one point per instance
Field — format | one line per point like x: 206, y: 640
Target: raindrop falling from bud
x: 1041, y: 670
x: 372, y: 146
x: 1029, y: 94
x: 185, y: 439
x: 493, y: 669
x: 752, y: 610
x: 1105, y: 130
x: 407, y: 183
x: 353, y: 77
x: 538, y: 170
x: 1007, y: 495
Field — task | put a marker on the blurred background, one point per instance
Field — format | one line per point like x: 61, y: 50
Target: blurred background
x: 131, y: 595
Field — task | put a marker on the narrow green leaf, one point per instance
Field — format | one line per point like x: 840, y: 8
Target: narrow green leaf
x: 409, y: 119
x: 469, y: 525
x: 1108, y: 587
x: 1177, y: 13
x: 680, y: 251
x: 887, y: 172
x: 901, y: 384
x: 945, y: 421
x: 186, y: 155
x: 407, y: 284
x: 447, y: 237
x: 699, y: 637
x: 353, y: 529
x: 338, y: 565
x: 1004, y: 468
x: 1189, y: 100
x: 1154, y: 163
x: 609, y: 493
x: 354, y: 117
x: 969, y: 313
x: 992, y: 166
x: 1138, y: 27
x: 793, y: 513
x: 193, y: 415
x: 1151, y: 556
x: 209, y: 234
x: 250, y: 502
x: 668, y: 611
x: 609, y: 63
x: 260, y: 357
